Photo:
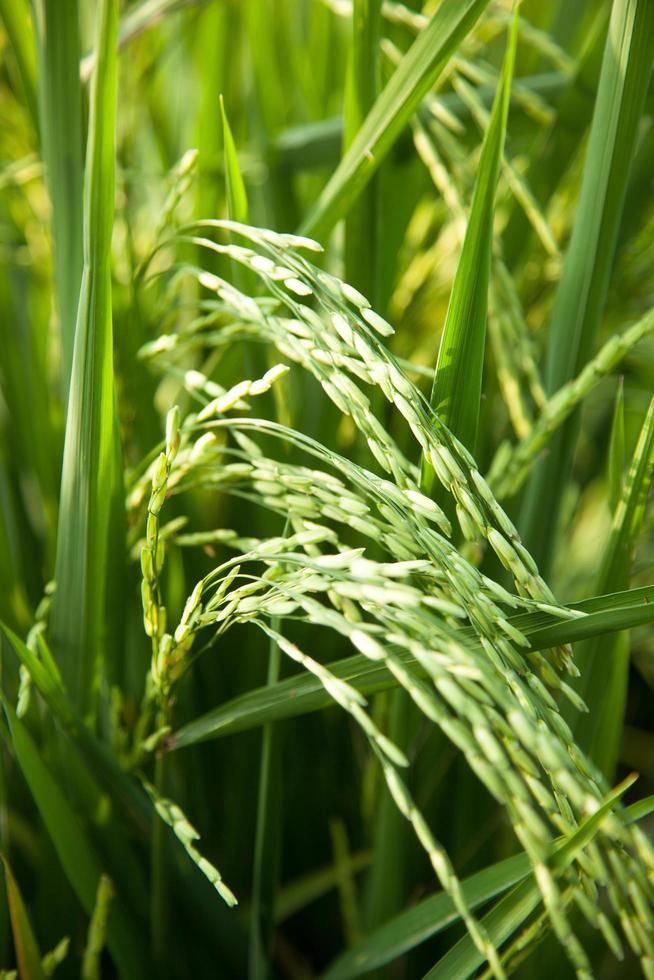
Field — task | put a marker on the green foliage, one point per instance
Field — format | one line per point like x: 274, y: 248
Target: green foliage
x: 28, y: 956
x: 60, y: 102
x: 89, y: 481
x: 272, y: 589
x: 456, y: 391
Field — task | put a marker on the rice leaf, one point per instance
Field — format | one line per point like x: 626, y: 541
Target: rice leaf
x: 604, y: 660
x: 582, y: 290
x: 511, y: 912
x: 78, y: 858
x: 60, y: 114
x: 456, y: 391
x: 90, y: 451
x: 430, y: 916
x: 237, y: 202
x: 415, y: 75
x: 106, y: 769
x: 236, y: 194
x: 302, y: 694
x: 28, y: 956
x: 426, y: 919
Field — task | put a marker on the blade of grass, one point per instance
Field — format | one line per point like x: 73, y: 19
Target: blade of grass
x: 456, y: 392
x: 362, y: 89
x: 60, y: 114
x: 424, y: 920
x: 582, y: 290
x: 77, y: 855
x: 415, y: 75
x: 112, y: 778
x: 302, y: 694
x: 88, y: 477
x: 604, y: 660
x: 213, y: 47
x: 132, y: 804
x: 28, y: 957
x: 348, y: 898
x: 318, y: 144
x: 237, y: 202
x: 573, y: 104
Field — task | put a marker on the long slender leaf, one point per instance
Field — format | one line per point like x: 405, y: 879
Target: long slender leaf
x: 456, y: 391
x: 60, y: 113
x: 362, y: 89
x: 97, y: 930
x: 386, y: 878
x: 430, y: 916
x: 426, y: 919
x: 78, y: 857
x: 318, y: 144
x: 88, y: 478
x: 604, y: 660
x: 299, y: 695
x: 111, y: 777
x: 237, y: 202
x: 413, y: 78
x: 27, y: 951
x: 508, y: 915
x: 581, y: 294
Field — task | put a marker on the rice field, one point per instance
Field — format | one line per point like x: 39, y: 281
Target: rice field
x: 326, y: 444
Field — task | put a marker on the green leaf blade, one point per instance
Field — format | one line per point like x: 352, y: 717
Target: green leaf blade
x: 584, y: 283
x: 27, y: 950
x: 361, y: 91
x: 456, y: 391
x: 88, y: 477
x: 512, y: 911
x: 78, y: 857
x: 413, y: 78
x: 304, y: 693
x: 60, y: 115
x: 237, y: 201
x: 604, y: 660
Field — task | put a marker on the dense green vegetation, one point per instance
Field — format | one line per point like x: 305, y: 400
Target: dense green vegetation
x: 326, y: 439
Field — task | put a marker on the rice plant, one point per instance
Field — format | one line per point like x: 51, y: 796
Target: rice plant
x: 326, y: 440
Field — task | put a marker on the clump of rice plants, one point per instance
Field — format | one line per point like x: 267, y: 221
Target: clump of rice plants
x: 327, y: 435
